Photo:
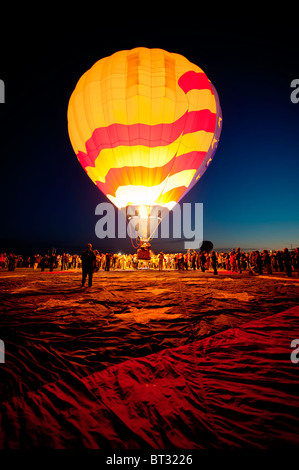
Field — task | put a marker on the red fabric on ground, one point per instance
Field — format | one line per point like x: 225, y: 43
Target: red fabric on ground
x: 236, y: 389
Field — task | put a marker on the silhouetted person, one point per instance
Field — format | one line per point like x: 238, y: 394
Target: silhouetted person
x: 44, y: 262
x: 107, y: 261
x: 11, y: 262
x: 287, y: 262
x: 259, y: 262
x: 279, y: 261
x: 88, y: 263
x: 214, y: 262
x: 233, y: 261
x: 180, y: 262
x: 227, y: 264
x: 63, y: 262
x: 52, y: 261
x: 267, y: 261
x: 239, y: 260
x: 202, y: 261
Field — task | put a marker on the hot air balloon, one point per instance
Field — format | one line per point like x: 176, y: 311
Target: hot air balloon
x: 144, y: 124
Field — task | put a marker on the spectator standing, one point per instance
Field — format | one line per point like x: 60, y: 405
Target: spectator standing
x: 161, y: 260
x: 287, y: 262
x: 259, y: 262
x: 267, y: 261
x: 214, y: 262
x: 239, y: 260
x: 88, y: 263
x: 233, y: 261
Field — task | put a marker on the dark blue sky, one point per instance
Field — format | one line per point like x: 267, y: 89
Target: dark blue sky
x: 250, y: 192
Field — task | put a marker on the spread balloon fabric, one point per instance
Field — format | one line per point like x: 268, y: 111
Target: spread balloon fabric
x: 144, y: 124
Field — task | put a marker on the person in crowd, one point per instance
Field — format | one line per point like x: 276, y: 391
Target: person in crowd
x: 180, y: 261
x: 220, y: 260
x: 34, y: 262
x: 239, y: 260
x: 2, y: 260
x: 107, y: 261
x: 214, y: 262
x: 64, y: 262
x: 203, y: 259
x: 88, y: 258
x: 227, y: 263
x: 258, y: 262
x: 279, y: 258
x: 267, y: 261
x: 233, y: 261
x: 194, y: 260
x: 97, y: 263
x: 208, y: 260
x: 186, y: 261
x: 287, y: 262
x: 44, y: 262
x: 161, y: 260
x: 52, y: 261
x: 274, y: 263
x: 11, y: 262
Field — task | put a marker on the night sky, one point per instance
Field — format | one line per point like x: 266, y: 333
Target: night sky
x: 250, y: 191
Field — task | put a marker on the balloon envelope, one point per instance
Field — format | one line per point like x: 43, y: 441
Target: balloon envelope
x: 144, y: 124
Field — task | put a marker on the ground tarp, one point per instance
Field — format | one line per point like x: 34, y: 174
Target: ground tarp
x: 235, y: 389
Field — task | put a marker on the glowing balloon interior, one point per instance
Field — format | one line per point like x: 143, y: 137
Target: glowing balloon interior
x: 145, y: 125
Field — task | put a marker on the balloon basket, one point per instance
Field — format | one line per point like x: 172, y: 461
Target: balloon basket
x: 144, y: 252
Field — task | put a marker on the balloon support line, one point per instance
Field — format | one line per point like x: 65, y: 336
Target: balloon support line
x: 136, y: 238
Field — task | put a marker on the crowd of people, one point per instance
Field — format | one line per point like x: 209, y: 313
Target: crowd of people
x: 235, y: 261
x: 258, y: 262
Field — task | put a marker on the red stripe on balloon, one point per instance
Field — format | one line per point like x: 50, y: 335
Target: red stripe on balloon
x: 174, y: 194
x: 194, y: 81
x: 138, y: 175
x: 143, y: 134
